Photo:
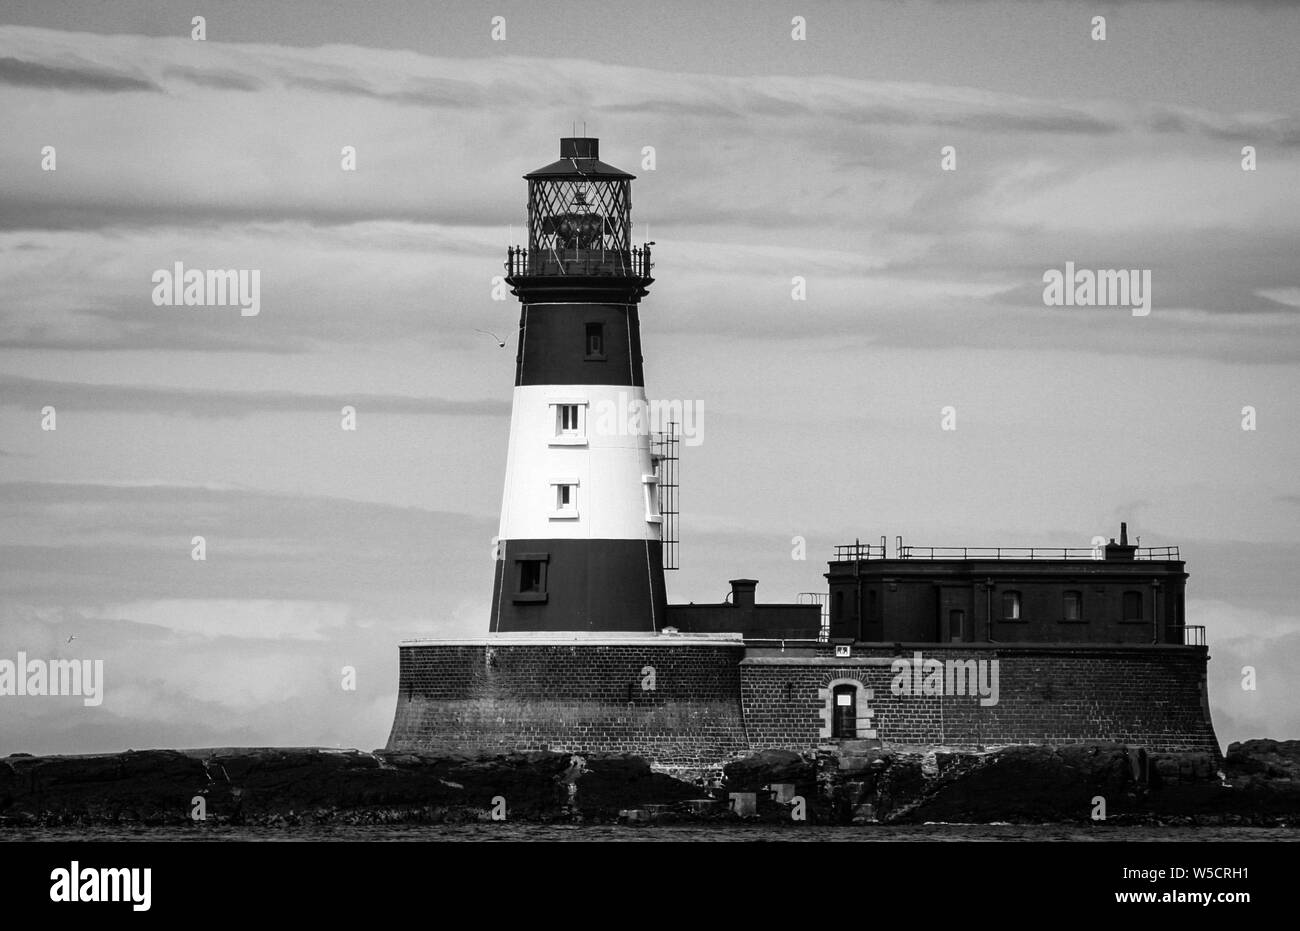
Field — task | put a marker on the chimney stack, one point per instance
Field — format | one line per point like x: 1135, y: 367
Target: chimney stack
x: 1121, y: 551
x: 742, y: 592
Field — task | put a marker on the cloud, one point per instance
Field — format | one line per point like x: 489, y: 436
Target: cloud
x: 450, y: 162
x: 78, y: 79
x: 219, y: 80
x: 35, y: 393
x: 97, y: 544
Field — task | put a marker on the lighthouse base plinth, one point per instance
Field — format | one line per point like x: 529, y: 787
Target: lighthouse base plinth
x: 674, y: 700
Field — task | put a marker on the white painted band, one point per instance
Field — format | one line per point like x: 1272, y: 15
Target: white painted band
x: 607, y: 463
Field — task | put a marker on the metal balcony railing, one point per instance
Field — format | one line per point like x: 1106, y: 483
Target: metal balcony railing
x: 604, y: 263
x: 852, y: 552
x: 1029, y: 552
x: 1157, y: 552
x: 822, y: 600
x: 1193, y: 635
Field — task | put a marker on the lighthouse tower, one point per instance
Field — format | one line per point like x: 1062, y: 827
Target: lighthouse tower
x: 580, y: 546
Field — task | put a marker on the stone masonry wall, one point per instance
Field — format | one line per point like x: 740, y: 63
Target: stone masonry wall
x: 572, y: 698
x: 1154, y: 697
x: 712, y: 702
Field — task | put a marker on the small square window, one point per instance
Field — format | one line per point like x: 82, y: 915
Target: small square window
x: 530, y: 571
x: 570, y: 422
x: 595, y: 341
x: 530, y: 576
x: 566, y: 499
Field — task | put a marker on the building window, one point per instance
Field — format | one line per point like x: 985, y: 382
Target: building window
x: 1073, y: 606
x: 570, y: 422
x: 566, y: 499
x: 839, y: 606
x: 844, y: 714
x: 530, y: 570
x: 595, y: 341
x: 530, y: 576
x: 1132, y: 606
x: 956, y: 626
x: 1011, y: 606
x: 650, y: 483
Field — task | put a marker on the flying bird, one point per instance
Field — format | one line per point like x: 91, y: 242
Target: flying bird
x: 500, y: 341
x: 71, y: 637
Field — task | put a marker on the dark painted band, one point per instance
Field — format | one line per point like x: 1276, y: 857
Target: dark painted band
x: 589, y: 585
x: 555, y: 342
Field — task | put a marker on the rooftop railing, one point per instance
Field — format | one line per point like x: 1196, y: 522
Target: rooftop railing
x: 1029, y: 552
x: 607, y: 263
x: 852, y: 552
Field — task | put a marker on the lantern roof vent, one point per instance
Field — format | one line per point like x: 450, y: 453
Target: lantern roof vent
x: 579, y: 158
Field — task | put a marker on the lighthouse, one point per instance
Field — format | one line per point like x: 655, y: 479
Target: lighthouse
x: 580, y: 545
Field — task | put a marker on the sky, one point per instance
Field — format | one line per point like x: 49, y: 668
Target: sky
x: 774, y: 158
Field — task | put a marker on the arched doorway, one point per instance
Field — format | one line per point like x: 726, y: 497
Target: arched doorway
x: 844, y: 714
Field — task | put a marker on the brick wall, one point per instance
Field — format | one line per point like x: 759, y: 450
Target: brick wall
x: 572, y: 698
x: 1154, y: 697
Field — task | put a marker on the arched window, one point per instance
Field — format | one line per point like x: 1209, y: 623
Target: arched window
x: 1072, y: 607
x: 1011, y: 606
x: 1132, y: 606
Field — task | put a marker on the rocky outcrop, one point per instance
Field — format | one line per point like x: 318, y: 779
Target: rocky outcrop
x: 1270, y: 759
x: 852, y: 782
x: 1089, y: 783
x: 272, y: 785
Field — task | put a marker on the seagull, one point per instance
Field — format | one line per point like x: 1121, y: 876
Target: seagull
x: 500, y: 341
x: 71, y: 637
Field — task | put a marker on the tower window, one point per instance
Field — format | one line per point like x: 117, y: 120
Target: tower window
x: 566, y: 499
x: 530, y: 569
x: 1132, y: 606
x: 595, y: 341
x: 570, y: 421
x: 1011, y: 606
x: 1073, y: 606
x: 650, y: 484
x: 956, y: 626
x: 530, y: 575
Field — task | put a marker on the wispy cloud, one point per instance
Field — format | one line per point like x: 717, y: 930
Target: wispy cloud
x: 31, y: 392
x: 81, y: 79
